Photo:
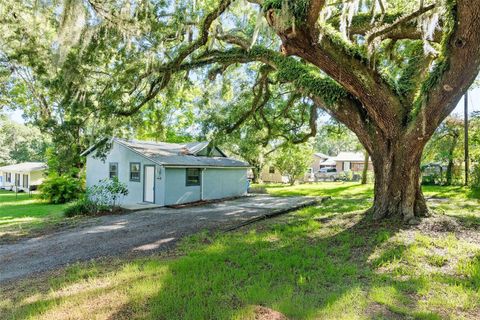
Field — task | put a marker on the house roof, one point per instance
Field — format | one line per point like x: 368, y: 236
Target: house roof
x: 329, y: 162
x: 321, y: 155
x: 350, y: 156
x: 24, y: 167
x: 179, y: 154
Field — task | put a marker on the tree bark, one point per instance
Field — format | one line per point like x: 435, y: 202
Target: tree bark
x: 398, y: 192
x: 256, y: 174
x: 365, y: 168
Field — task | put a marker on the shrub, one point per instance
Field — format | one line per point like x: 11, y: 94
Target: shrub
x: 104, y: 196
x: 81, y: 207
x: 345, y: 176
x: 475, y: 173
x: 61, y: 189
x: 108, y: 192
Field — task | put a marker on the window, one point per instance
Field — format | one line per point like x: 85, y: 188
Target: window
x: 134, y: 171
x: 271, y: 170
x: 193, y: 177
x: 113, y: 170
x: 25, y: 180
x: 17, y: 179
x: 8, y: 177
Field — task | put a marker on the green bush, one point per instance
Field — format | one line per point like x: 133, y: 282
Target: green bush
x: 108, y: 192
x: 61, y: 189
x: 475, y: 180
x: 345, y: 176
x: 104, y: 196
x: 81, y: 207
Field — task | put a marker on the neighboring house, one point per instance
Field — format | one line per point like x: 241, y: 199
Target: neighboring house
x: 22, y: 176
x: 318, y: 159
x: 328, y: 163
x: 270, y: 174
x: 351, y: 161
x: 169, y: 173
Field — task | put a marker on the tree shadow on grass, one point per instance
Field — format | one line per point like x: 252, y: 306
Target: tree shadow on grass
x: 307, y: 190
x: 309, y: 264
x: 303, y: 268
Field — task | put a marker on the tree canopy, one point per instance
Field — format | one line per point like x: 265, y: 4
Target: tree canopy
x: 20, y: 143
x: 390, y: 71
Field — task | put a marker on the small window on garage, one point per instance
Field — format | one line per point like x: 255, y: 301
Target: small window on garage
x: 134, y: 171
x: 113, y: 170
x: 193, y: 177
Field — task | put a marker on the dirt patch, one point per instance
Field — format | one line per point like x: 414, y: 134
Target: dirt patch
x: 439, y: 224
x: 264, y: 313
x: 379, y: 311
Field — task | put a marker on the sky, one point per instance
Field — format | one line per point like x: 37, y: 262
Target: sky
x: 474, y: 105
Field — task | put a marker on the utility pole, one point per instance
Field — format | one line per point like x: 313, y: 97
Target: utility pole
x: 466, y: 137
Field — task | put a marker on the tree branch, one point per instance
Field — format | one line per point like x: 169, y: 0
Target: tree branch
x: 453, y: 73
x: 161, y: 82
x: 313, y: 12
x: 389, y: 28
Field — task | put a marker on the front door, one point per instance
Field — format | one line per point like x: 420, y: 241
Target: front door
x: 149, y: 184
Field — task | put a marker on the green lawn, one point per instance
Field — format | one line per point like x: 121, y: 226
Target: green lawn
x: 21, y: 215
x: 325, y: 262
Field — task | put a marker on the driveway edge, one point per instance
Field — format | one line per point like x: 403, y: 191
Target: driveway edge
x: 275, y: 213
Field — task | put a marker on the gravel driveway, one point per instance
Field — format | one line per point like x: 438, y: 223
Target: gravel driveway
x: 141, y: 232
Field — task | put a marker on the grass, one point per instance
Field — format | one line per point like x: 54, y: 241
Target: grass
x: 22, y: 215
x: 325, y: 262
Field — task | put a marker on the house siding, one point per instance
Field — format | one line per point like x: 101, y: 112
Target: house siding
x: 98, y: 169
x: 224, y: 183
x: 275, y: 177
x: 176, y: 191
x: 355, y: 166
x: 316, y: 163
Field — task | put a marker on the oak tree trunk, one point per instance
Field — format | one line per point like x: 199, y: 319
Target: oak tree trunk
x: 398, y: 192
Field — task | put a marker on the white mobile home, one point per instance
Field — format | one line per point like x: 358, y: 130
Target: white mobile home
x: 22, y: 176
x: 169, y: 173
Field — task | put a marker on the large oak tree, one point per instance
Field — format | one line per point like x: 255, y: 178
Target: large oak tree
x: 391, y: 71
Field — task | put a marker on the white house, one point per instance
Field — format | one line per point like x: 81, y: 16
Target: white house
x: 23, y: 176
x: 351, y: 161
x: 169, y: 173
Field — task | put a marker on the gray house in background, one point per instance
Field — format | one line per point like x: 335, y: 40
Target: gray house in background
x: 169, y: 173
